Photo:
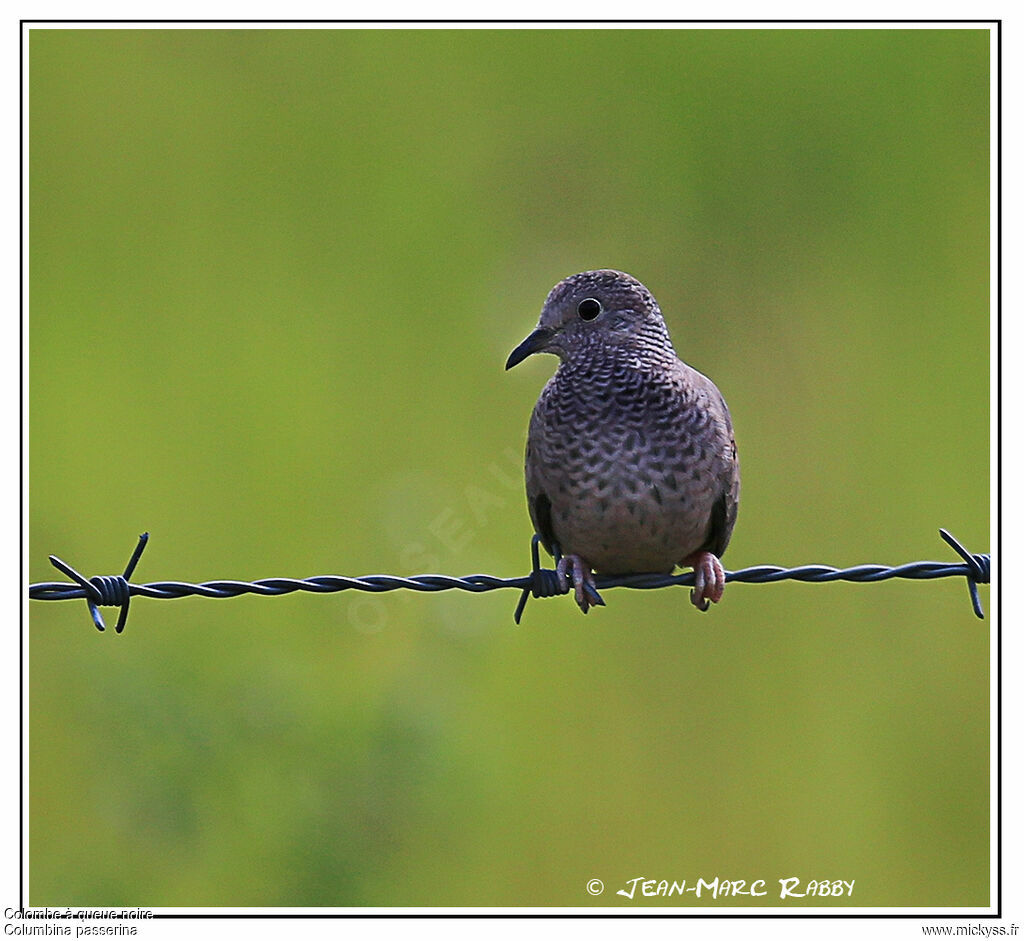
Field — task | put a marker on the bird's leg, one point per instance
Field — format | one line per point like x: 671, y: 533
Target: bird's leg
x: 708, y: 579
x: 582, y: 580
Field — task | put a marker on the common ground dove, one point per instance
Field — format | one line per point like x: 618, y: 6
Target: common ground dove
x: 630, y: 459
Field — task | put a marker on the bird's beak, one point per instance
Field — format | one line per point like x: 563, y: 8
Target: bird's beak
x: 534, y: 343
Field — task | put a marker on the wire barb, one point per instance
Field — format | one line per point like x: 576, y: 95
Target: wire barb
x: 108, y: 590
x: 978, y: 567
x: 543, y: 583
x: 115, y: 590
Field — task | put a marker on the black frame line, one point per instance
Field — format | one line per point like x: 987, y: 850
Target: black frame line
x: 24, y: 27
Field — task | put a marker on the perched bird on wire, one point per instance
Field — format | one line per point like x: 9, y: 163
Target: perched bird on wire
x: 631, y: 462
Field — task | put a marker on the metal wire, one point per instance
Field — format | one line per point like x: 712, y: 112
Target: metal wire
x: 117, y: 591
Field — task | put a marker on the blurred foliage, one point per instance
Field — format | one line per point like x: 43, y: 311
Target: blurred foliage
x: 274, y: 278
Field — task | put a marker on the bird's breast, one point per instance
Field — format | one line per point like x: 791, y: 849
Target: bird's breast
x: 630, y: 471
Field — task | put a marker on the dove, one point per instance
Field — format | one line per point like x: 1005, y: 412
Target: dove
x: 631, y: 463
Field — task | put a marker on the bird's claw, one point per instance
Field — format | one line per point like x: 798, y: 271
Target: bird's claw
x: 582, y: 580
x: 708, y: 580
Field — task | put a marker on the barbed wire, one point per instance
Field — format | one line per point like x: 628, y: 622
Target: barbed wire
x: 117, y: 591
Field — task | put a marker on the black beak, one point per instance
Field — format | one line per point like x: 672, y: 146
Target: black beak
x: 534, y: 343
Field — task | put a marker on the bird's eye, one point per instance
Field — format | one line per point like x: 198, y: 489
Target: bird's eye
x: 588, y: 308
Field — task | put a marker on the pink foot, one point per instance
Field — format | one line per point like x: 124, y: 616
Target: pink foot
x: 708, y: 579
x: 582, y: 580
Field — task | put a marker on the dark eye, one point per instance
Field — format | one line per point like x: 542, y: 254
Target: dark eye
x: 588, y: 308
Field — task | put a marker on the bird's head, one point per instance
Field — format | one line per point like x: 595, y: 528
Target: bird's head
x: 596, y: 310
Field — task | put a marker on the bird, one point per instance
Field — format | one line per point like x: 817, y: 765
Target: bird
x: 631, y: 463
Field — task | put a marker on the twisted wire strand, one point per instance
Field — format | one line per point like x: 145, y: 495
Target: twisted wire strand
x: 117, y: 591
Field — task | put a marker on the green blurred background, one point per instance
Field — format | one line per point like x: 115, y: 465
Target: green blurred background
x: 274, y: 279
